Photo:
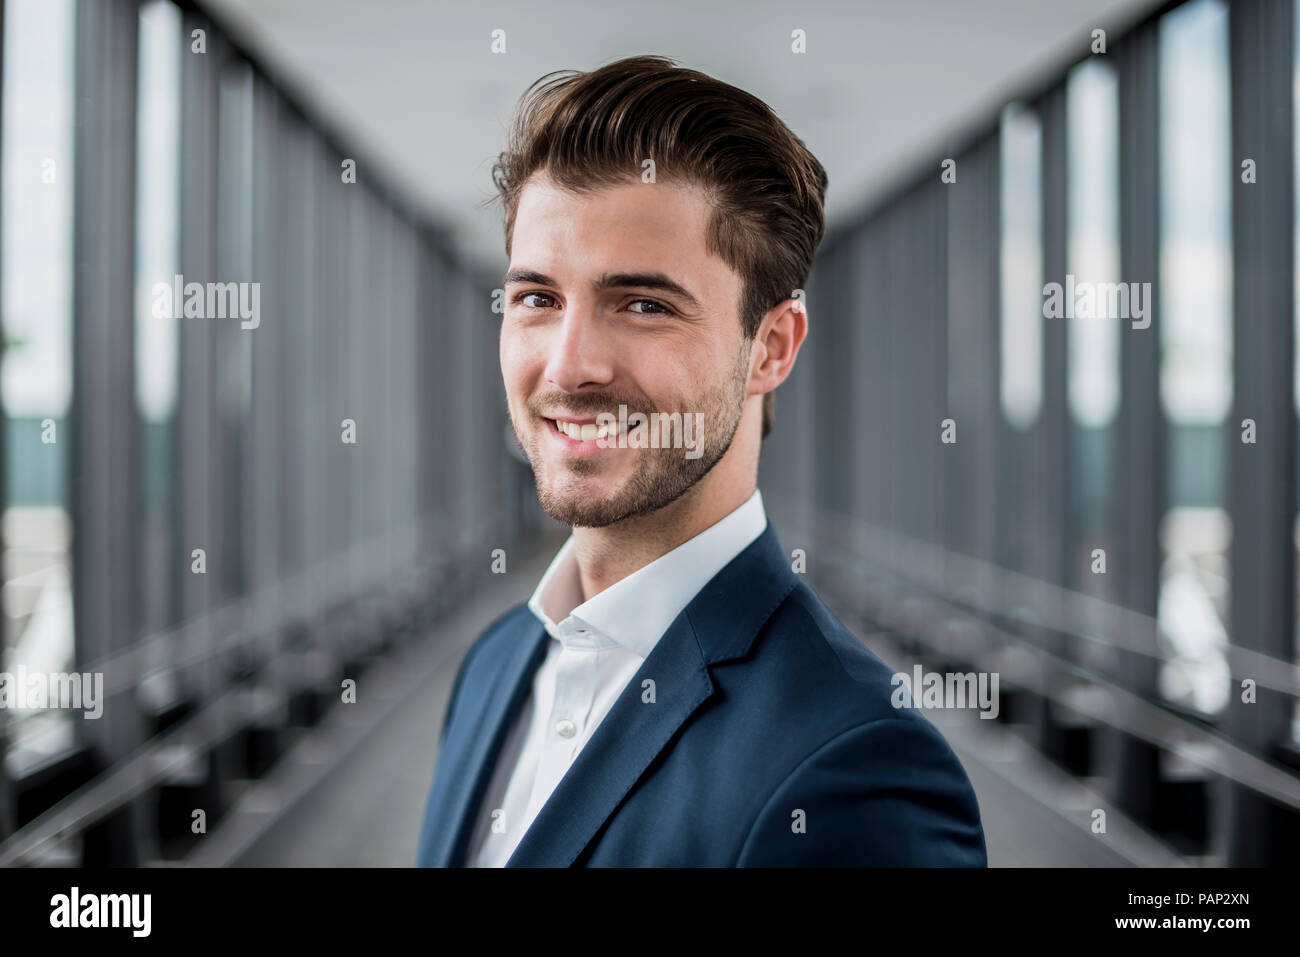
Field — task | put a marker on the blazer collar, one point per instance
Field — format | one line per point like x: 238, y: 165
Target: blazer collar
x: 635, y: 611
x: 719, y: 623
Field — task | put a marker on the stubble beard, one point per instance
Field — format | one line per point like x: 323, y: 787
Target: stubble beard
x: 662, y: 475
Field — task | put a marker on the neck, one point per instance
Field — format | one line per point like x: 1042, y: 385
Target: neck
x: 608, y: 555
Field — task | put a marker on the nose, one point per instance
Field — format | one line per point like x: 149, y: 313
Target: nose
x: 580, y: 352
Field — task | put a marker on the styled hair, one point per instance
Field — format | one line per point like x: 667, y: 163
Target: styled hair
x: 591, y: 130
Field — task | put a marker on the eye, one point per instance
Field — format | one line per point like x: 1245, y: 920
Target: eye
x: 663, y: 310
x: 532, y: 295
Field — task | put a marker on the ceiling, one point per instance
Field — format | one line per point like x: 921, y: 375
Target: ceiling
x: 416, y: 85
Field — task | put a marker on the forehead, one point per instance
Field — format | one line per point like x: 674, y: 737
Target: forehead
x: 633, y: 225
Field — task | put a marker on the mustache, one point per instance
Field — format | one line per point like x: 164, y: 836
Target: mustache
x: 586, y: 404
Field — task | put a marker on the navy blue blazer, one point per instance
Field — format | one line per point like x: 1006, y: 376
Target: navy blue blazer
x: 770, y: 741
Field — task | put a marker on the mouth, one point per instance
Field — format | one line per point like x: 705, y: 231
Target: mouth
x: 583, y: 437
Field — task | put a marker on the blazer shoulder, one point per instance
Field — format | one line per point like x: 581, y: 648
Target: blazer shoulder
x: 887, y: 793
x: 505, y: 626
x: 881, y: 784
x: 500, y: 630
x: 850, y: 679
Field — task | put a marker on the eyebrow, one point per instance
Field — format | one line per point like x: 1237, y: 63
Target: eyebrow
x: 618, y: 280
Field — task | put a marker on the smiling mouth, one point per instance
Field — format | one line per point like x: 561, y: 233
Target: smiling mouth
x: 584, y: 431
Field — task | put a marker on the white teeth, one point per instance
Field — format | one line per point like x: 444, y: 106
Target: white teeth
x: 586, y: 432
x: 573, y: 430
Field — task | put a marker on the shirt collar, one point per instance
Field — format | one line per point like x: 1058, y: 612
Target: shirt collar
x: 635, y: 611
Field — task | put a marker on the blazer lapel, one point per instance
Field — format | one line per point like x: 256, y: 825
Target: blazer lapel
x: 719, y: 624
x: 628, y: 739
x: 467, y: 776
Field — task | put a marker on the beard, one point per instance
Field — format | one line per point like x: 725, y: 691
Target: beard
x: 660, y: 476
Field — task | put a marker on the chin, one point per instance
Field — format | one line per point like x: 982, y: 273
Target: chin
x: 581, y: 513
x: 583, y: 502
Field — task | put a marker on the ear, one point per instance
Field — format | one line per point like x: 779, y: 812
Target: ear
x: 776, y: 345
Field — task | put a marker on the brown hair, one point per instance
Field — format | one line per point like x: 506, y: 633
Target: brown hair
x: 595, y: 129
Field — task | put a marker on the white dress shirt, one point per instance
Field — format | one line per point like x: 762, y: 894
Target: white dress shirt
x: 596, y: 649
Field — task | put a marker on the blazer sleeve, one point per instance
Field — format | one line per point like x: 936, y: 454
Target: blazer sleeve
x: 888, y: 793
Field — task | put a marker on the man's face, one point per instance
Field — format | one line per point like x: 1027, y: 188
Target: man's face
x: 592, y: 321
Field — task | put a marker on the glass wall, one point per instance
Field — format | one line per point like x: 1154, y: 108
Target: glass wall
x: 1022, y: 267
x: 1092, y: 172
x: 157, y: 262
x: 36, y: 378
x: 1196, y: 348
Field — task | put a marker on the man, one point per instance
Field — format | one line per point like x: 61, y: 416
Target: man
x: 673, y: 693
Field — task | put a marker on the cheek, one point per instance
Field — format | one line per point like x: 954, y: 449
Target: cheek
x: 669, y: 381
x: 691, y: 371
x: 514, y: 362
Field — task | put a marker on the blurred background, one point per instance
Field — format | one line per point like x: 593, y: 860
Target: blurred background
x: 232, y: 523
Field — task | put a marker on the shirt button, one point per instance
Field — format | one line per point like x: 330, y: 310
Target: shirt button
x: 565, y: 728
